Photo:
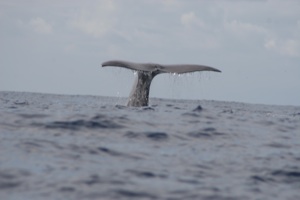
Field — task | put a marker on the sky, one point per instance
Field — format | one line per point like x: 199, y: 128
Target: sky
x: 58, y: 46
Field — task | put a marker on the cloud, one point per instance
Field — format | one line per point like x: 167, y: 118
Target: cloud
x: 41, y: 26
x: 288, y: 47
x: 190, y: 19
x: 96, y: 20
x: 242, y: 29
x: 170, y: 3
x: 196, y: 33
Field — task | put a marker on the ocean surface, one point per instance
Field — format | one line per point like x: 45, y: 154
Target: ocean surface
x: 67, y: 147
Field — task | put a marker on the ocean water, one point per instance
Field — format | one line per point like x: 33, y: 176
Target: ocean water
x: 93, y: 147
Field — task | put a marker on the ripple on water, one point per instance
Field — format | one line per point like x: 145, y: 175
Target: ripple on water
x: 154, y: 136
x: 209, y: 132
x: 12, y: 178
x: 96, y: 122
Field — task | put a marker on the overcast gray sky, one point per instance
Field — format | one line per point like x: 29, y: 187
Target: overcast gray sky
x: 58, y: 47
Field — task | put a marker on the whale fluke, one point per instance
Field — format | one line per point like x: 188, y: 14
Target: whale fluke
x: 147, y: 71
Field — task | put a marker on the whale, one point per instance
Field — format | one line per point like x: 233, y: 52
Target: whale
x: 139, y: 95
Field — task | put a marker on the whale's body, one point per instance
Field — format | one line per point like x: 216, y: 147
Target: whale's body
x: 139, y: 95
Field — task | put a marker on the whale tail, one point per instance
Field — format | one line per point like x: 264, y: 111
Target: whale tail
x: 147, y: 71
x: 159, y: 68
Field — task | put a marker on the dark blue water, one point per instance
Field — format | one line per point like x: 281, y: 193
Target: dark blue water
x: 87, y: 147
